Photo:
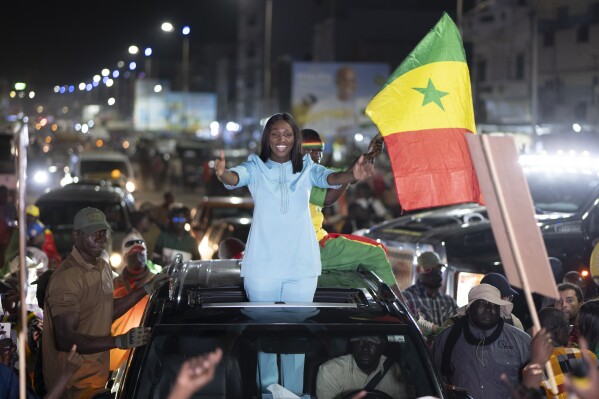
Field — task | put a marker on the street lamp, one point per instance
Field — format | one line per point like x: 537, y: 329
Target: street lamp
x: 185, y: 31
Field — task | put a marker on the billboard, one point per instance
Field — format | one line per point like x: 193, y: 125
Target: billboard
x: 330, y: 97
x: 172, y: 111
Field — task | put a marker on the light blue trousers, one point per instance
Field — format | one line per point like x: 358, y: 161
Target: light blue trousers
x: 292, y: 365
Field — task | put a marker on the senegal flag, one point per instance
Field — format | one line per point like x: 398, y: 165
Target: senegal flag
x: 424, y: 112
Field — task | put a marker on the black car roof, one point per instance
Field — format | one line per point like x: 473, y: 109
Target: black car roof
x: 212, y: 292
x: 93, y: 192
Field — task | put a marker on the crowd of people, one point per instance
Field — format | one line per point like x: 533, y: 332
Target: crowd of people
x: 86, y: 317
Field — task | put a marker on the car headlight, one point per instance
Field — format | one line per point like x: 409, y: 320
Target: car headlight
x: 130, y: 186
x: 40, y: 177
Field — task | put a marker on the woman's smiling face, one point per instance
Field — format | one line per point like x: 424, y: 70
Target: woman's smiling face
x: 281, y: 141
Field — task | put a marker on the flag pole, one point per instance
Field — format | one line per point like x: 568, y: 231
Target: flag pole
x: 23, y: 140
x: 517, y: 259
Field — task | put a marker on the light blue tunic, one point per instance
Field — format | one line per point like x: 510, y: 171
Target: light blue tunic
x: 282, y: 243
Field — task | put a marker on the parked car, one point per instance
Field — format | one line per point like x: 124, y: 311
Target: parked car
x: 105, y: 165
x: 210, y: 209
x: 565, y: 193
x: 206, y: 307
x: 59, y: 206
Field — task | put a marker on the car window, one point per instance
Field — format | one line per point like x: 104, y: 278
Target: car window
x: 95, y: 167
x: 236, y: 374
x: 561, y: 192
x: 60, y: 214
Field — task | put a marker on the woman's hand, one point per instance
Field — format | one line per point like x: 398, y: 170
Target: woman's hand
x: 219, y: 165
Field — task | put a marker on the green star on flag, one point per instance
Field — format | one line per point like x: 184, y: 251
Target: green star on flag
x: 431, y: 94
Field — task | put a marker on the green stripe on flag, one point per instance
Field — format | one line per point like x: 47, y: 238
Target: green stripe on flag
x: 442, y: 43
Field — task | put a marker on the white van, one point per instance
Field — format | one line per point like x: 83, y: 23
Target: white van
x: 105, y: 165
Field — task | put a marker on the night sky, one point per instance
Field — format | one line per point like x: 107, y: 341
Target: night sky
x: 45, y: 43
x: 67, y: 41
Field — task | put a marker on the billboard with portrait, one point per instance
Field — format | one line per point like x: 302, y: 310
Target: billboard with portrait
x: 172, y: 111
x: 330, y: 97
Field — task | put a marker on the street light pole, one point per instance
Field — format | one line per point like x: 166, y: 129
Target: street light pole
x: 185, y: 63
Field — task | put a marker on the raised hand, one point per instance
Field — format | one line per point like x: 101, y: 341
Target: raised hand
x: 363, y: 168
x: 219, y: 165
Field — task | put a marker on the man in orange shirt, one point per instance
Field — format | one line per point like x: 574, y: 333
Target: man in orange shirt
x: 137, y: 271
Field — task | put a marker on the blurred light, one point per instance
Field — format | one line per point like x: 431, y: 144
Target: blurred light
x: 89, y: 87
x: 148, y: 52
x: 105, y: 79
x: 232, y: 126
x: 105, y: 72
x: 95, y: 84
x: 67, y: 179
x: 109, y: 83
x: 127, y: 74
x: 38, y: 126
x: 39, y: 109
x: 20, y: 86
x: 214, y: 125
x: 133, y: 49
x: 187, y: 227
x: 45, y: 148
x: 52, y: 169
x: 78, y: 126
x: 115, y: 259
x: 132, y: 65
x: 48, y: 139
x: 576, y: 127
x: 97, y: 78
x: 65, y: 109
x: 82, y: 86
x: 84, y: 128
x: 99, y: 143
x: 54, y: 127
x: 115, y: 174
x: 13, y: 94
x: 185, y: 30
x: 157, y: 88
x: 71, y: 88
x: 120, y: 64
x: 90, y: 123
x: 115, y: 73
x: 40, y: 177
x: 62, y: 90
x: 57, y: 89
x: 111, y: 101
x: 584, y: 273
x: 125, y: 144
x: 130, y: 186
x: 43, y: 122
x: 359, y: 137
x: 31, y: 94
x: 167, y: 27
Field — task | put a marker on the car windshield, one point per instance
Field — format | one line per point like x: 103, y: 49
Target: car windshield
x: 102, y: 167
x: 561, y: 192
x: 60, y: 214
x: 235, y: 376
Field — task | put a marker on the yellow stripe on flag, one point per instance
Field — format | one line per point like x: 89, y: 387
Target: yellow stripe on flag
x: 399, y: 107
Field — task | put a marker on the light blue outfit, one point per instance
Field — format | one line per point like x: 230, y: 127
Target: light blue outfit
x: 281, y: 261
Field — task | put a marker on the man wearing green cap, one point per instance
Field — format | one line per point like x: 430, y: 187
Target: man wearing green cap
x: 79, y: 309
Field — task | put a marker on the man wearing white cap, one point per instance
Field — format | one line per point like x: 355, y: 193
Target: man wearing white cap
x: 474, y: 352
x: 136, y: 271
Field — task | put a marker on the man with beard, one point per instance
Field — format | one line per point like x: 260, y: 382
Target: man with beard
x: 569, y: 303
x: 137, y: 270
x: 339, y: 377
x: 474, y: 352
x: 424, y: 300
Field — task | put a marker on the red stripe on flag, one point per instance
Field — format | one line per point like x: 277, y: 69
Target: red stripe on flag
x: 432, y: 168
